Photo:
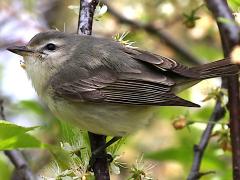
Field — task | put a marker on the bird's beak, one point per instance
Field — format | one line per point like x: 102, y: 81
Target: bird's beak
x: 20, y: 50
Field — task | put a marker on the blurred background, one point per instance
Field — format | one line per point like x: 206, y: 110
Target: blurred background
x: 180, y: 29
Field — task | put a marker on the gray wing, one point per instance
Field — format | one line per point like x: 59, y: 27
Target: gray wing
x: 163, y: 63
x: 136, y: 78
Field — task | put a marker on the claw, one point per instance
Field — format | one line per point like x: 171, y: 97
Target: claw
x: 98, y: 153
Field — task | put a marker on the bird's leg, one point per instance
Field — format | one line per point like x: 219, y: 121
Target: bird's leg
x: 98, y: 152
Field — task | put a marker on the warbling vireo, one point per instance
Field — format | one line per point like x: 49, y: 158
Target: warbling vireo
x: 105, y: 87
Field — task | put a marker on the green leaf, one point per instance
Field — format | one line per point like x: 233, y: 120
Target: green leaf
x: 13, y: 136
x: 234, y: 4
x: 74, y: 142
x: 5, y: 168
x: 8, y: 129
x: 113, y: 149
x: 33, y: 106
x: 74, y: 136
x: 62, y: 157
x: 21, y: 141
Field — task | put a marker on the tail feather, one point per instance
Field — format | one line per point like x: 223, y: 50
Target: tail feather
x: 219, y: 68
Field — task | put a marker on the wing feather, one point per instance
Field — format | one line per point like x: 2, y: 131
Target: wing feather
x: 161, y: 62
x: 125, y: 92
x: 122, y: 76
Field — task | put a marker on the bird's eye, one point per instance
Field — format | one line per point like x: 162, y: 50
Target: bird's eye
x: 51, y: 47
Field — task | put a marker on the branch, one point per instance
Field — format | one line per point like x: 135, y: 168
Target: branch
x: 100, y: 166
x: 160, y: 33
x: 199, y: 149
x: 230, y: 37
x: 85, y: 19
x: 228, y: 43
x: 22, y: 171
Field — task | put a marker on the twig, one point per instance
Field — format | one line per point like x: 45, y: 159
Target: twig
x: 22, y: 171
x: 199, y: 149
x: 3, y: 117
x: 85, y: 21
x: 100, y: 165
x: 160, y: 33
x: 230, y: 36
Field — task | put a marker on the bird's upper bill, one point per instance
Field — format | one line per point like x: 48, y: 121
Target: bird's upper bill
x: 20, y: 50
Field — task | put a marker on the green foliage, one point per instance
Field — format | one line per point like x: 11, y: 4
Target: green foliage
x: 113, y: 150
x: 191, y: 18
x: 73, y: 154
x: 206, y: 51
x: 5, y: 169
x: 62, y: 157
x: 182, y: 153
x: 140, y: 170
x: 13, y: 137
x: 33, y: 106
x: 234, y: 4
x: 122, y: 39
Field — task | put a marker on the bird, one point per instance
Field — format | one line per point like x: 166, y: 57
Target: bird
x: 104, y: 87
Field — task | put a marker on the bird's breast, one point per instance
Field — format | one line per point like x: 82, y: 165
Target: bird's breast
x: 99, y: 118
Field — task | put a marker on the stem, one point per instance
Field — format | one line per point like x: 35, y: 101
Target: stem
x: 230, y: 37
x: 100, y: 166
x: 199, y: 149
x: 86, y: 13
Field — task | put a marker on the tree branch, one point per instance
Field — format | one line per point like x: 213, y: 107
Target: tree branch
x: 86, y: 13
x: 22, y: 171
x: 160, y: 33
x: 199, y: 149
x: 230, y: 37
x: 100, y: 166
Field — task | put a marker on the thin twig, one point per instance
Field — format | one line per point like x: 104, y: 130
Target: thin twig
x: 160, y: 33
x: 199, y: 149
x: 85, y: 21
x: 230, y: 36
x: 100, y: 164
x: 22, y: 171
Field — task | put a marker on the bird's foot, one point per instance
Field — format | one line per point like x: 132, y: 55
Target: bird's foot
x: 100, y: 153
x: 95, y: 157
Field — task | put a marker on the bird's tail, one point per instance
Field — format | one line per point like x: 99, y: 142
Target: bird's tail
x: 219, y: 68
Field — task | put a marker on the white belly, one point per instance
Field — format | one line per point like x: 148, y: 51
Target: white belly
x: 107, y: 119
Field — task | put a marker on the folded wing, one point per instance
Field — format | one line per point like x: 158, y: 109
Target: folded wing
x: 139, y: 87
